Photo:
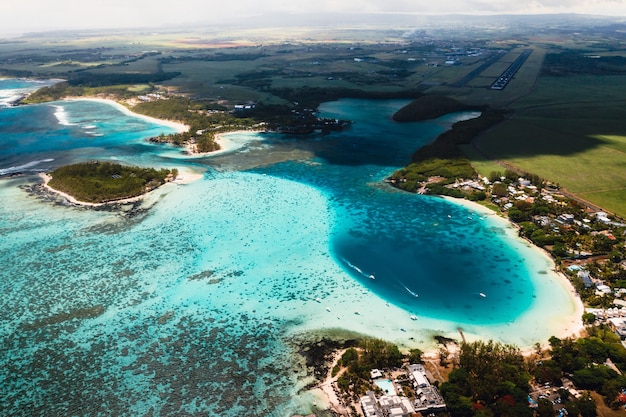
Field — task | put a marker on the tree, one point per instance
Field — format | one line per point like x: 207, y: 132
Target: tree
x: 499, y: 189
x: 587, y: 406
x: 589, y: 318
x: 415, y: 356
x: 516, y: 215
x: 545, y: 408
x: 560, y: 250
x: 494, y: 176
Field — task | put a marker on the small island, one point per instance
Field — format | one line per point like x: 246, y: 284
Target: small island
x: 106, y: 182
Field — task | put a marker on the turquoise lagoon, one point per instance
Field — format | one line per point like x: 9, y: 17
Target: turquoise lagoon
x: 195, y: 302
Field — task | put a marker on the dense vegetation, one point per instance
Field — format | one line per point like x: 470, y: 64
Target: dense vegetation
x: 575, y: 63
x: 63, y: 89
x: 585, y: 361
x: 444, y: 159
x: 490, y: 379
x: 100, y: 182
x: 203, y: 121
x: 89, y: 79
x: 430, y: 107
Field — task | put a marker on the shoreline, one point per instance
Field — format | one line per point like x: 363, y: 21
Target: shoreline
x: 178, y: 126
x: 226, y: 144
x: 46, y: 178
x: 189, y: 177
x: 575, y: 325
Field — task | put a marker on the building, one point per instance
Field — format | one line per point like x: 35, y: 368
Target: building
x: 565, y: 218
x: 618, y: 324
x: 417, y: 373
x: 427, y: 397
x: 375, y: 373
x: 369, y: 405
x: 387, y: 406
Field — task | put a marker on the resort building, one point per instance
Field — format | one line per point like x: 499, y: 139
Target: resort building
x: 386, y: 406
x: 427, y: 396
x: 390, y: 404
x: 619, y: 326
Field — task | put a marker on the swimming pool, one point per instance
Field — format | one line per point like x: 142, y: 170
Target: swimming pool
x: 386, y: 385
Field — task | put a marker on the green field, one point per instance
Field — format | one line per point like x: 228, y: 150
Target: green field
x: 571, y: 131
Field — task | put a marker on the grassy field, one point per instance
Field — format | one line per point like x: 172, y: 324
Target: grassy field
x: 570, y: 131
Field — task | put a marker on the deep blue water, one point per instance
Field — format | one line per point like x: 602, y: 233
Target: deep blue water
x: 192, y: 306
x: 416, y: 248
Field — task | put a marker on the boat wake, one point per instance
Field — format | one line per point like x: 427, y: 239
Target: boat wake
x: 359, y: 270
x: 414, y: 294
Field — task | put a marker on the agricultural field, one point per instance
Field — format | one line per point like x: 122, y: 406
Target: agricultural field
x: 570, y: 131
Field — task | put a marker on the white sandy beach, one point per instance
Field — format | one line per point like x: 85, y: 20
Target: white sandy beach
x: 227, y: 142
x: 564, y: 328
x: 46, y: 178
x: 179, y: 127
x: 184, y: 177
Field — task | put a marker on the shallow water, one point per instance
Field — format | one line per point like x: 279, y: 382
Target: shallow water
x: 191, y: 305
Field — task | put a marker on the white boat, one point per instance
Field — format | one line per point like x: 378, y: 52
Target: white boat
x: 328, y: 309
x: 319, y: 300
x: 482, y: 294
x: 413, y: 317
x: 372, y: 276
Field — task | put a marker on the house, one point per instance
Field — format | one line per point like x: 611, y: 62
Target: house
x: 375, y: 373
x: 586, y: 277
x: 565, y: 218
x: 619, y: 326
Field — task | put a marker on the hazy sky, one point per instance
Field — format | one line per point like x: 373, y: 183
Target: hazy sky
x: 18, y: 16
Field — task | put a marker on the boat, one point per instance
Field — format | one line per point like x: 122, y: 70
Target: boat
x: 372, y: 276
x: 413, y: 317
x: 328, y: 309
x: 482, y: 294
x: 319, y: 300
x: 402, y: 329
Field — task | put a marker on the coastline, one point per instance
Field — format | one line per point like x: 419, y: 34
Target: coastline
x: 188, y: 177
x: 178, y: 126
x: 226, y: 144
x: 574, y: 326
x: 46, y: 178
x: 222, y: 139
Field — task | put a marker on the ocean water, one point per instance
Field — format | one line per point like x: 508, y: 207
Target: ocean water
x: 196, y: 301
